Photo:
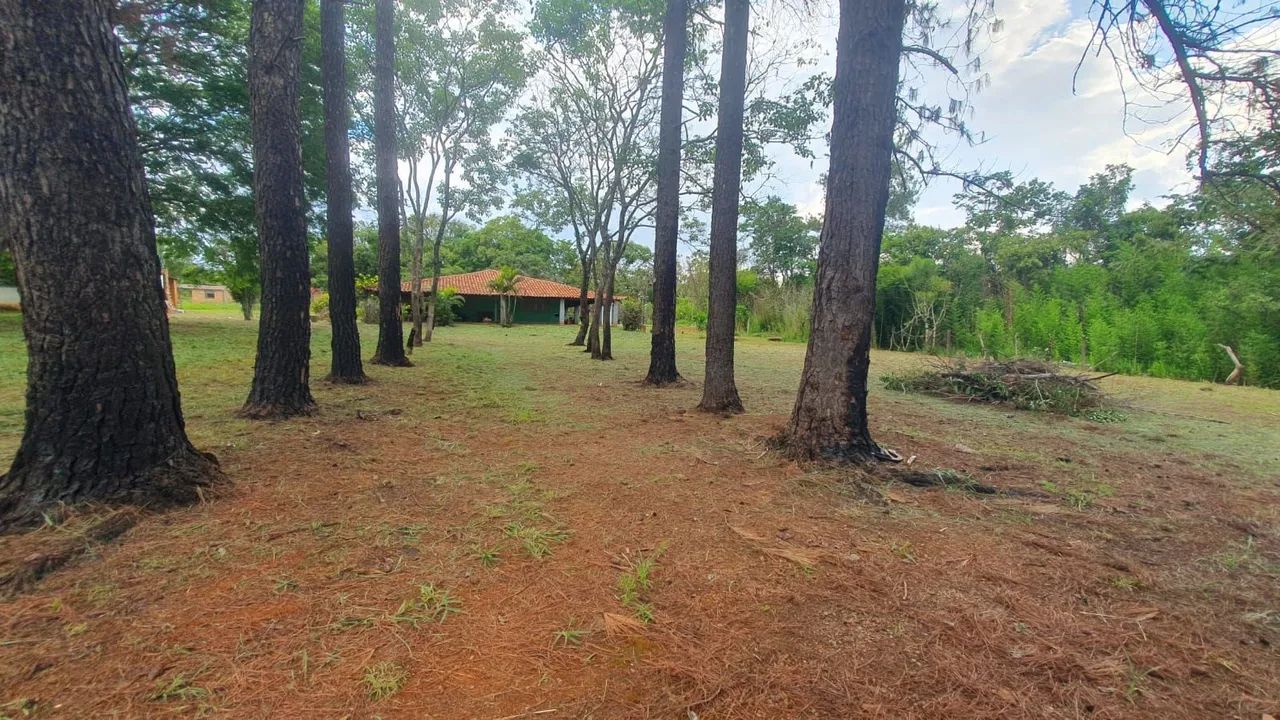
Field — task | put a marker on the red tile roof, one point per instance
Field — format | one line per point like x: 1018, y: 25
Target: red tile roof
x: 477, y: 283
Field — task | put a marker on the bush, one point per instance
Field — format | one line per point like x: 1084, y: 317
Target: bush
x: 632, y: 315
x: 689, y: 314
x: 447, y: 304
x: 369, y: 311
x: 320, y: 306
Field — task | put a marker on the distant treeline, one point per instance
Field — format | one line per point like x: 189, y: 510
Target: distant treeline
x: 1038, y: 272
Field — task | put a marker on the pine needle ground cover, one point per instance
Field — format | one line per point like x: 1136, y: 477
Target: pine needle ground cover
x: 374, y: 560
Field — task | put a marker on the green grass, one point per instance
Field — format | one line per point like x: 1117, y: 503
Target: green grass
x: 432, y: 605
x: 521, y: 373
x: 636, y: 581
x: 384, y: 680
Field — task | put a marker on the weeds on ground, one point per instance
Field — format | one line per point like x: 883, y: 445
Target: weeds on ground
x: 903, y: 550
x: 1080, y: 497
x: 20, y: 708
x: 635, y: 582
x: 488, y: 556
x: 570, y: 636
x: 384, y: 680
x: 178, y: 687
x: 1245, y: 556
x: 432, y: 605
x: 535, y: 540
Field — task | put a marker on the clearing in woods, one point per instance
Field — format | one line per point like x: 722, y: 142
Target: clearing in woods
x: 510, y: 530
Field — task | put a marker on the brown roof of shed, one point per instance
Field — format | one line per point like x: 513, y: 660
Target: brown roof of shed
x: 477, y: 283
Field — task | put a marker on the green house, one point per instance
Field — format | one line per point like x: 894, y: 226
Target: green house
x: 537, y: 300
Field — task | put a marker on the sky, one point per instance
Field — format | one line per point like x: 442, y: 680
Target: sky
x: 1033, y: 123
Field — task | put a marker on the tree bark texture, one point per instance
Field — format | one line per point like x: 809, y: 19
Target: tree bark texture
x: 662, y: 348
x: 281, y: 372
x: 435, y: 281
x: 584, y: 322
x: 829, y: 420
x: 390, y: 329
x: 346, y: 366
x: 103, y: 416
x: 719, y: 393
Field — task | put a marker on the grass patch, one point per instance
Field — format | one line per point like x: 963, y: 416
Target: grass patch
x: 432, y: 605
x: 384, y: 680
x: 636, y: 581
x: 535, y: 540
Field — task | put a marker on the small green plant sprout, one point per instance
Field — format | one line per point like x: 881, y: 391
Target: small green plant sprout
x: 635, y: 582
x: 488, y: 556
x: 536, y: 541
x: 904, y: 550
x: 1126, y: 582
x: 570, y: 636
x: 20, y: 708
x: 384, y: 680
x: 178, y: 687
x: 432, y: 605
x: 284, y: 585
x: 1245, y: 556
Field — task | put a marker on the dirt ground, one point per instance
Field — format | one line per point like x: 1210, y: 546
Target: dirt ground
x: 509, y: 530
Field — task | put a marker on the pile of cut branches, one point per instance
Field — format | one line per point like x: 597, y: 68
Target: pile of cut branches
x: 1024, y: 384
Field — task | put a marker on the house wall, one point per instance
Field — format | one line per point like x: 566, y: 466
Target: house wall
x: 529, y: 311
x: 201, y: 295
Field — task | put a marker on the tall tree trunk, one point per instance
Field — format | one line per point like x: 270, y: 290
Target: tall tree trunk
x: 719, y: 393
x: 588, y: 263
x: 346, y: 366
x: 283, y: 365
x: 390, y: 331
x: 606, y: 328
x: 435, y: 279
x: 830, y: 415
x: 584, y: 311
x: 415, y: 284
x: 103, y: 416
x: 662, y: 349
x: 593, y: 330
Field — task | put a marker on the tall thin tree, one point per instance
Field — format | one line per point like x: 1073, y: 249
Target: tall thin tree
x: 283, y: 366
x: 830, y: 415
x: 346, y: 366
x: 390, y: 329
x: 662, y: 350
x: 103, y: 417
x: 719, y: 392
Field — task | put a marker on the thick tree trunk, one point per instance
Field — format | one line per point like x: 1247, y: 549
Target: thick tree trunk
x: 390, y: 330
x: 830, y: 415
x: 662, y: 349
x: 282, y: 369
x: 346, y: 366
x: 103, y: 417
x: 719, y: 393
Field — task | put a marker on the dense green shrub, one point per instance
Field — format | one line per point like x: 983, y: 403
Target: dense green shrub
x: 320, y: 306
x: 632, y: 317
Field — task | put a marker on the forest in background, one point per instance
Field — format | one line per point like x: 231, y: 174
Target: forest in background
x: 1037, y: 271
